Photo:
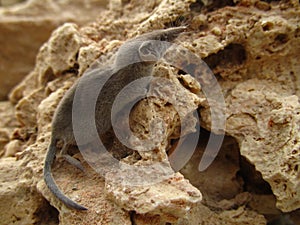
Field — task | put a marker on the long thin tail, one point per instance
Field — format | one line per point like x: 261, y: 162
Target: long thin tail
x: 49, y: 180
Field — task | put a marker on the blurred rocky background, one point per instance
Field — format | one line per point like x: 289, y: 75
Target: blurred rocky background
x: 26, y: 25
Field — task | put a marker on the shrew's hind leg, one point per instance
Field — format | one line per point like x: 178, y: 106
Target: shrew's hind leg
x: 64, y: 154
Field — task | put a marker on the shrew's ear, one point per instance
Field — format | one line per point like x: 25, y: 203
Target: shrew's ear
x: 148, y: 52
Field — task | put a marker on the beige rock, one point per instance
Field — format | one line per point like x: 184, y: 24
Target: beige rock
x: 270, y: 94
x: 171, y: 199
x: 268, y: 136
x: 203, y: 215
x: 86, y: 188
x: 4, y: 134
x: 146, y: 219
x: 20, y: 202
x: 159, y: 191
x: 61, y: 51
x: 255, y: 58
x: 12, y: 148
x: 7, y: 124
x: 25, y: 27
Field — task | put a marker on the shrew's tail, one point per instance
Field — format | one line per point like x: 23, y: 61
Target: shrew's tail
x: 49, y: 180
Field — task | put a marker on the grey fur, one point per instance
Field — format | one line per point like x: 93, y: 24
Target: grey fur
x: 62, y: 120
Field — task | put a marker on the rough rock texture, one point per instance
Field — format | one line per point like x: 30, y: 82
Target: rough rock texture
x: 7, y: 126
x: 262, y: 101
x: 252, y: 47
x: 272, y: 143
x: 21, y: 203
x: 171, y: 205
x: 24, y: 27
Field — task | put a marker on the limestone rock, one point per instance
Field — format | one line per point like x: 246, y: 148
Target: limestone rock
x: 264, y: 84
x: 269, y: 136
x: 12, y: 148
x: 20, y: 203
x: 251, y: 46
x: 26, y: 26
x: 7, y: 124
x: 203, y: 215
x: 171, y: 199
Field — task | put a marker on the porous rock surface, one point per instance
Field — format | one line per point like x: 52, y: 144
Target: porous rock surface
x: 251, y: 46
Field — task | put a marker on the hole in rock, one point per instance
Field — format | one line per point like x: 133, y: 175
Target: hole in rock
x: 253, y: 179
x: 47, y: 214
x: 48, y: 75
x: 73, y: 69
x: 282, y: 38
x: 132, y: 215
x: 233, y: 54
x: 221, y: 179
x: 199, y: 6
x: 181, y: 72
x: 267, y: 26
